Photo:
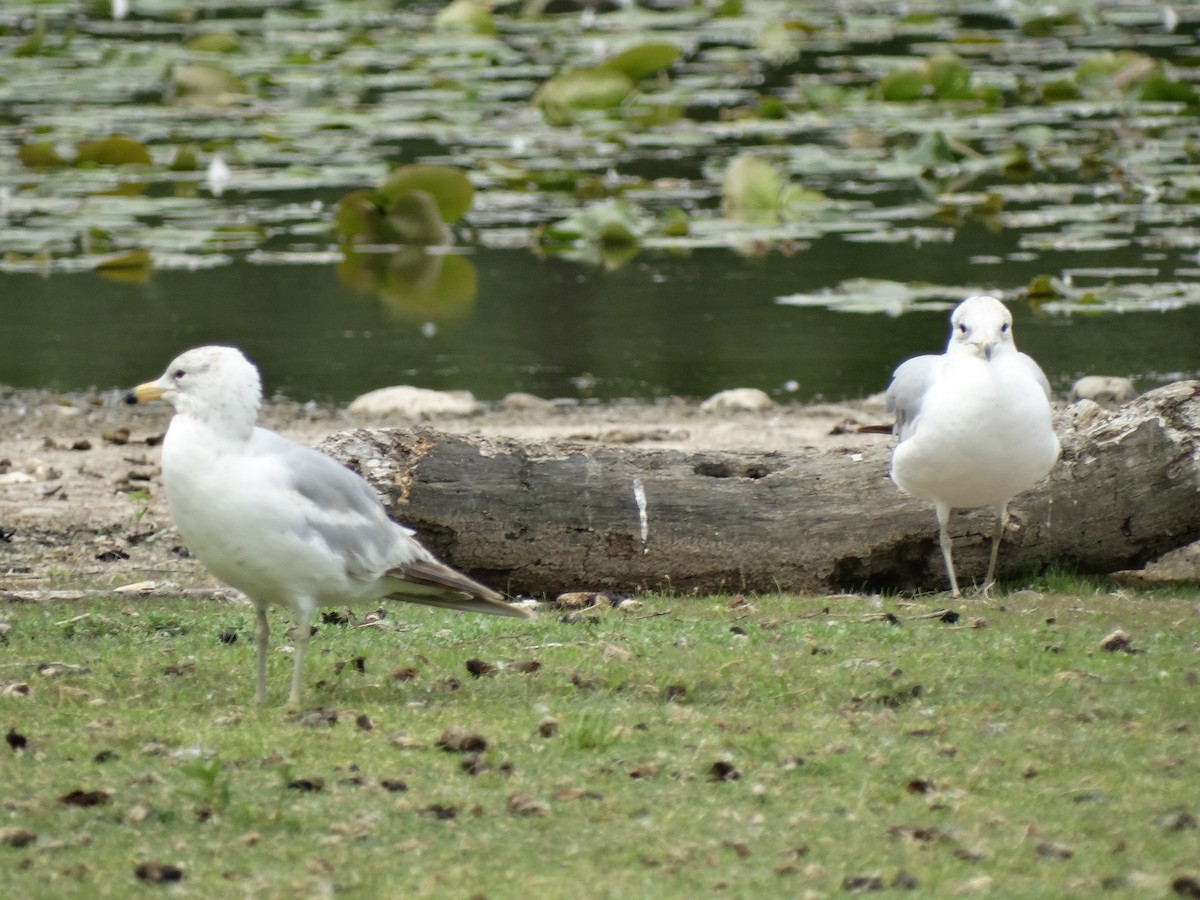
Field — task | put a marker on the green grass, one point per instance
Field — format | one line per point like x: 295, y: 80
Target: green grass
x: 822, y: 744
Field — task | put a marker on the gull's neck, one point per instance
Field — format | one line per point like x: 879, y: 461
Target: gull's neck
x: 233, y: 420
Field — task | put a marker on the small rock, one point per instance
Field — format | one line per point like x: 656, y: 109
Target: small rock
x: 118, y: 436
x: 1117, y: 640
x: 737, y: 400
x: 582, y: 600
x: 17, y: 837
x: 84, y: 798
x: 1107, y: 390
x: 158, y: 873
x: 861, y: 884
x: 548, y: 727
x: 415, y: 403
x: 458, y: 739
x: 478, y: 668
x: 524, y: 805
x: 723, y: 770
x: 519, y: 401
x: 1185, y: 886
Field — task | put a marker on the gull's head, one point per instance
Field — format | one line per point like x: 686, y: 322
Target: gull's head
x: 215, y: 384
x: 981, y: 325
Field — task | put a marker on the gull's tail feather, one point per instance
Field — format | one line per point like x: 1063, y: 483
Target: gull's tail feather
x: 430, y: 583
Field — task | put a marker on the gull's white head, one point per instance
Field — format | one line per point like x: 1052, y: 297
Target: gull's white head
x: 981, y: 326
x: 217, y: 385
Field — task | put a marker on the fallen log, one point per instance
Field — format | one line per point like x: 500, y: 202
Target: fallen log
x: 542, y: 518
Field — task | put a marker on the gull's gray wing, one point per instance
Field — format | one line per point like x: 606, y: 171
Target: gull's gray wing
x: 1036, y: 371
x: 341, y: 509
x: 907, y: 390
x: 344, y: 511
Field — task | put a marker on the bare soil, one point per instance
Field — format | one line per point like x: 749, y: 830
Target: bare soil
x: 82, y: 503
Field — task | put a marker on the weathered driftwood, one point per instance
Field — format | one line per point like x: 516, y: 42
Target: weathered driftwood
x: 543, y: 518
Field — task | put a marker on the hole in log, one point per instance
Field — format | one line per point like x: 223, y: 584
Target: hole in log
x: 725, y: 469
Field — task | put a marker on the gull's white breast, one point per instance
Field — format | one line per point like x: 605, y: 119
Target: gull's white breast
x: 983, y: 434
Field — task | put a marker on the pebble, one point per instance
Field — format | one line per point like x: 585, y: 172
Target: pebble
x: 1109, y: 391
x: 737, y: 400
x: 519, y: 400
x: 415, y: 403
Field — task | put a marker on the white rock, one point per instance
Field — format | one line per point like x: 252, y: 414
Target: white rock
x: 415, y: 403
x: 1107, y: 390
x: 519, y: 400
x: 737, y: 400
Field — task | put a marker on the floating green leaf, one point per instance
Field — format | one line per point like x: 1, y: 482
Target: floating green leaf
x: 133, y: 267
x: 465, y: 15
x: 674, y: 223
x: 203, y: 84
x: 581, y: 89
x: 751, y: 190
x: 33, y: 44
x: 949, y: 77
x: 943, y: 76
x: 796, y: 201
x: 40, y: 155
x: 216, y: 42
x: 449, y: 187
x: 1047, y: 25
x: 96, y: 240
x: 414, y: 219
x: 613, y: 222
x: 903, y: 85
x: 934, y: 149
x: 358, y: 215
x: 185, y: 159
x: 1043, y: 287
x: 114, y: 150
x: 644, y: 59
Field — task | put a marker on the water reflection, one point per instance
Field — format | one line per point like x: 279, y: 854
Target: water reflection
x: 412, y: 283
x: 666, y: 324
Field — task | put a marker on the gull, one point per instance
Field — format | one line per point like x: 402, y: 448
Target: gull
x: 284, y: 524
x: 974, y: 423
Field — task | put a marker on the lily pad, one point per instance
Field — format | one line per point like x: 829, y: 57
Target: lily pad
x: 40, y: 155
x: 216, y: 42
x: 202, y: 84
x: 465, y: 15
x: 114, y: 150
x: 597, y: 88
x: 645, y: 59
x: 449, y: 187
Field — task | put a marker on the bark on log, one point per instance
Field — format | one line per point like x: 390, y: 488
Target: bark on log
x: 545, y: 518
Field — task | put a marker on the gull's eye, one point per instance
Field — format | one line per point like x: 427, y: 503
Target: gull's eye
x: 1004, y: 328
x: 963, y: 327
x: 178, y: 374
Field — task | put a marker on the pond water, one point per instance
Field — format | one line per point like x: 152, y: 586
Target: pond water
x: 1054, y: 165
x: 667, y: 324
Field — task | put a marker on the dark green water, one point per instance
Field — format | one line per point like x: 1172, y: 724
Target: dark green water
x: 665, y: 324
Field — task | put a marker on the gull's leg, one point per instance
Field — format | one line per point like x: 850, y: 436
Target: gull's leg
x: 997, y: 532
x: 262, y: 635
x: 943, y: 517
x: 303, y: 621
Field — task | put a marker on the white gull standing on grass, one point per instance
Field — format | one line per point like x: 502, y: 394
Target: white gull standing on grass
x: 974, y: 423
x: 285, y: 524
